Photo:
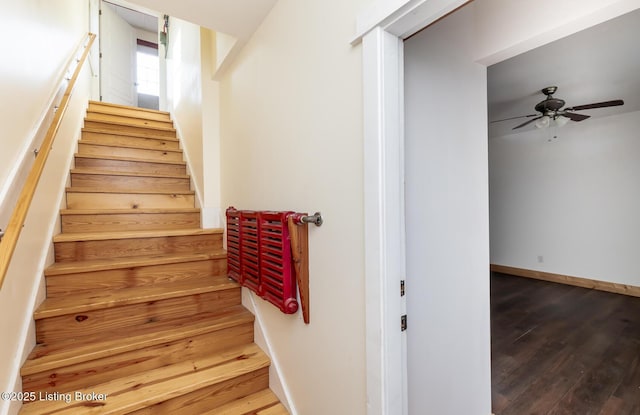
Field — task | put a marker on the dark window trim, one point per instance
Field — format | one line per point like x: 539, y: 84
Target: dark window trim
x: 147, y: 44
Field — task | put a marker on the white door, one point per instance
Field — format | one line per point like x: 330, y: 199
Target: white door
x: 117, y: 47
x: 447, y: 230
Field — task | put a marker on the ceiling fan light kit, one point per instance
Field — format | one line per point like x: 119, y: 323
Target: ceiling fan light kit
x: 561, y: 121
x: 546, y: 121
x: 543, y: 122
x: 550, y: 109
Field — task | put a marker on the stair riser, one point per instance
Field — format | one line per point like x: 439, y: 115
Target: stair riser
x: 133, y: 141
x: 128, y: 201
x: 139, y: 130
x: 62, y: 285
x: 198, y: 402
x: 129, y: 222
x: 83, y: 375
x: 130, y: 183
x: 98, y: 150
x: 129, y: 166
x: 128, y: 318
x: 129, y: 112
x: 142, y: 122
x: 115, y: 248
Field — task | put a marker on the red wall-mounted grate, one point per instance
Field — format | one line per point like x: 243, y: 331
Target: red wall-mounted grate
x: 259, y: 255
x: 233, y: 244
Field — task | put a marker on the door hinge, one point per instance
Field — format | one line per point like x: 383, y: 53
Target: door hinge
x: 401, y: 288
x: 403, y: 323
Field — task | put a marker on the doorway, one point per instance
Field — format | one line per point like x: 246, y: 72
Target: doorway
x: 130, y: 64
x: 521, y: 30
x: 561, y: 203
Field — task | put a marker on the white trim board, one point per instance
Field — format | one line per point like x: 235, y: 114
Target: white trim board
x: 405, y: 17
x: 383, y: 68
x: 384, y: 222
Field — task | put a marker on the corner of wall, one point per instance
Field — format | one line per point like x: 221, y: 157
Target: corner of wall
x: 195, y: 183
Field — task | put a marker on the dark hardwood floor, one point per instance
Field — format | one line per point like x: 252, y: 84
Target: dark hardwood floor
x: 558, y: 349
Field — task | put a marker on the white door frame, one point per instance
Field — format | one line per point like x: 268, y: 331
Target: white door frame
x: 382, y: 30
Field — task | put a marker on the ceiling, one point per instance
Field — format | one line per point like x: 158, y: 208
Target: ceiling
x: 239, y: 19
x: 135, y: 18
x: 601, y: 63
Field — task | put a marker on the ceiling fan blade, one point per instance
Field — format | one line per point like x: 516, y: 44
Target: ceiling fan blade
x: 575, y: 117
x: 613, y: 103
x: 515, y: 118
x: 528, y: 122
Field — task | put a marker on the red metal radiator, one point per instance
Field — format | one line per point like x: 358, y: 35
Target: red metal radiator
x: 259, y: 255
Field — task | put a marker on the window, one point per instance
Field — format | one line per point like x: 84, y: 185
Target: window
x: 147, y: 69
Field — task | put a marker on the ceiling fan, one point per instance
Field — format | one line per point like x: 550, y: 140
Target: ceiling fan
x: 551, y: 109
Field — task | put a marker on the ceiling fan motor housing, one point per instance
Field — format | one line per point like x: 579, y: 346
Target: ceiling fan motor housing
x: 551, y: 105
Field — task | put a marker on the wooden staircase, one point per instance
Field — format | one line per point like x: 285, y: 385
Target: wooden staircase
x: 140, y: 317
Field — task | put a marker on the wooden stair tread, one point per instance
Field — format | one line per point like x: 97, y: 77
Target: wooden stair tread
x: 132, y: 146
x: 249, y: 405
x: 97, y: 113
x: 126, y: 211
x: 64, y: 268
x: 124, y: 117
x: 98, y: 236
x: 135, y: 159
x: 129, y: 107
x: 148, y: 388
x: 48, y: 357
x: 128, y: 134
x: 133, y: 125
x: 87, y: 301
x: 278, y: 409
x: 128, y: 191
x: 133, y: 312
x: 81, y: 170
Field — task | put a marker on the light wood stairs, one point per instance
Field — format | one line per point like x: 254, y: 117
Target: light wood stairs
x: 138, y: 306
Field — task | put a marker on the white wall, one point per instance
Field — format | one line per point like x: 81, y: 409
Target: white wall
x: 39, y: 39
x: 146, y: 35
x: 29, y: 74
x: 117, y: 62
x: 573, y: 199
x: 292, y: 140
x: 447, y: 221
x: 193, y: 99
x: 212, y: 214
x: 184, y: 92
x: 505, y: 28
